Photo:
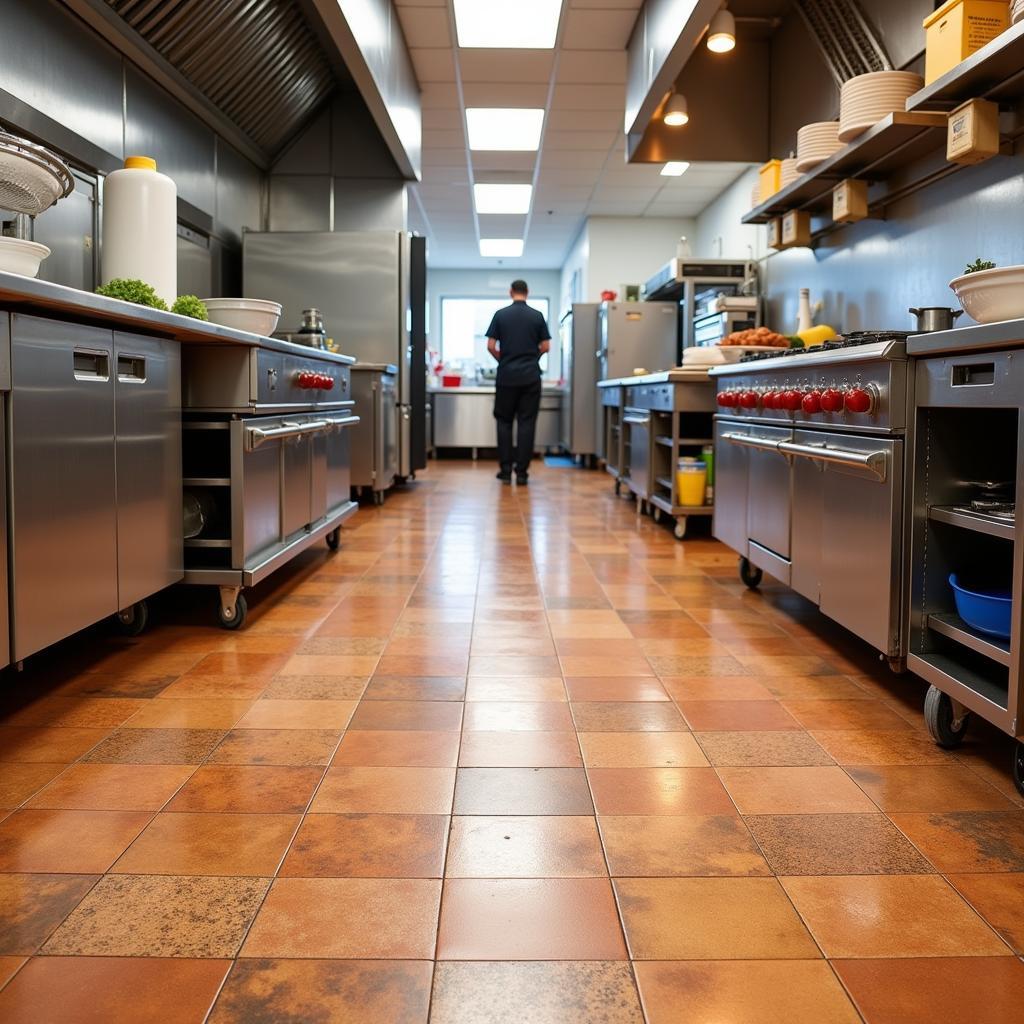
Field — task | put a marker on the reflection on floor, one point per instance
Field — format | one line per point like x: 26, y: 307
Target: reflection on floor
x: 509, y: 756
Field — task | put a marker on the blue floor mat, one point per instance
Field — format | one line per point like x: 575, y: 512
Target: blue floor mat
x: 559, y: 460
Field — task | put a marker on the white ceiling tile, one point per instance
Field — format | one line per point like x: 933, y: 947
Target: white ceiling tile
x: 441, y: 119
x: 554, y: 192
x: 617, y: 209
x: 568, y: 160
x: 444, y: 157
x: 597, y: 67
x: 597, y: 29
x: 442, y: 95
x: 502, y: 177
x: 590, y: 97
x: 502, y: 225
x: 502, y: 94
x: 502, y: 161
x: 447, y: 139
x: 555, y: 176
x: 433, y: 64
x: 588, y: 4
x: 584, y: 120
x: 624, y: 195
x: 506, y: 65
x: 425, y: 26
x: 578, y: 140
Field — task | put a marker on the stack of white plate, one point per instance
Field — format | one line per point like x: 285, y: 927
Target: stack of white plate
x: 755, y: 196
x: 866, y: 99
x: 1016, y: 11
x: 816, y: 142
x: 789, y: 169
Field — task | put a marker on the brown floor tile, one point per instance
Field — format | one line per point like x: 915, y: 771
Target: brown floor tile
x: 641, y: 750
x: 506, y: 666
x: 517, y: 716
x: 816, y: 790
x: 520, y: 750
x: 999, y: 898
x: 785, y: 665
x: 699, y: 665
x: 627, y: 716
x: 45, y: 745
x: 76, y: 842
x: 110, y: 685
x: 423, y: 665
x: 711, y: 919
x: 494, y: 646
x: 968, y: 990
x: 210, y: 844
x: 330, y: 665
x: 875, y: 747
x: 744, y: 992
x: 328, y: 917
x: 224, y: 687
x: 529, y: 919
x: 967, y: 840
x: 161, y: 915
x: 392, y: 790
x: 407, y: 715
x: 31, y: 906
x: 596, y: 666
x: 239, y: 663
x: 99, y: 990
x: 651, y: 791
x: 685, y: 844
x: 835, y: 844
x: 856, y: 916
x: 276, y: 746
x: 113, y: 787
x: 393, y: 748
x: 845, y: 715
x: 736, y: 715
x: 368, y: 846
x: 248, y: 788
x: 780, y: 749
x: 416, y: 688
x: 9, y: 966
x: 298, y: 714
x: 606, y: 650
x: 598, y: 688
x: 526, y: 688
x: 315, y: 688
x: 342, y: 645
x: 813, y: 688
x: 19, y: 781
x: 494, y: 791
x: 208, y: 713
x: 325, y: 992
x: 156, y: 746
x: 926, y: 788
x: 555, y: 993
x: 78, y: 711
x: 716, y: 688
x: 524, y: 847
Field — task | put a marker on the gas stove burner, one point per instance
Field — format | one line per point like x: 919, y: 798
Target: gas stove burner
x: 855, y: 338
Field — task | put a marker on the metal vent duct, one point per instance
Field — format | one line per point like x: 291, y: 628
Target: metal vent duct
x: 846, y: 40
x: 257, y: 61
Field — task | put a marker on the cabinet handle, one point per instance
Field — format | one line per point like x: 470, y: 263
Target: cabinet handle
x: 131, y: 369
x: 873, y: 462
x: 91, y: 364
x: 761, y: 444
x: 260, y: 435
x: 343, y: 422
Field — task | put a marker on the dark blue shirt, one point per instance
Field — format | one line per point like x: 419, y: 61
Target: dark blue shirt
x: 519, y: 330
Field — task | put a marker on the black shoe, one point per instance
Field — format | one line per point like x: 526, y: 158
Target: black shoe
x: 522, y: 479
x: 505, y: 478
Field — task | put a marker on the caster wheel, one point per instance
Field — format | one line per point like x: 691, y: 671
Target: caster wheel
x: 618, y: 486
x: 946, y: 729
x: 1018, y: 767
x: 132, y: 621
x: 656, y: 513
x: 238, y: 619
x: 378, y: 498
x: 334, y: 538
x: 750, y: 575
x: 680, y: 531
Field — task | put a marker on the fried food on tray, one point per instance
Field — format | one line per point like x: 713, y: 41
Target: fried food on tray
x: 758, y: 337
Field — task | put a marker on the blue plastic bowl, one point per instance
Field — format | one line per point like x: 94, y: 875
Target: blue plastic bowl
x: 987, y: 611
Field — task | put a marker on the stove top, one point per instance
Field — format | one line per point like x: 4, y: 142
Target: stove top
x: 844, y: 341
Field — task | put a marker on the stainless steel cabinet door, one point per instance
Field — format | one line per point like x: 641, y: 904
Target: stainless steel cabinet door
x: 389, y: 413
x: 63, y: 491
x: 339, y: 474
x: 769, y: 500
x: 731, y: 469
x: 148, y: 433
x: 297, y: 483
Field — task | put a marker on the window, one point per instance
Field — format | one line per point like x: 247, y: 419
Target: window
x: 464, y: 324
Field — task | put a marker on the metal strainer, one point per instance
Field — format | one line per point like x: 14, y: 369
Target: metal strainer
x: 32, y: 179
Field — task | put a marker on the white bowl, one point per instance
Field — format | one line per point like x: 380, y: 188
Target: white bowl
x: 19, y: 256
x: 257, y: 316
x: 990, y: 296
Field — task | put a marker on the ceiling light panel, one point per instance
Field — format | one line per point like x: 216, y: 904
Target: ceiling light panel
x: 501, y: 247
x: 502, y: 198
x: 487, y: 23
x: 504, y: 128
x: 674, y: 168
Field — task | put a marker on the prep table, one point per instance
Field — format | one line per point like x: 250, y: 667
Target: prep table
x: 650, y: 422
x: 375, y: 438
x: 463, y: 417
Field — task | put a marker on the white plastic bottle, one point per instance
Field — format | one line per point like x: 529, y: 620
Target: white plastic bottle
x: 805, y: 320
x: 140, y: 227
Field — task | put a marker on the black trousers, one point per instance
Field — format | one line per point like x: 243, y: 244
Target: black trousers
x: 520, y: 403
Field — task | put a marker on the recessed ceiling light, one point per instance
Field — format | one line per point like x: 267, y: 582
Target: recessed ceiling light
x: 504, y: 128
x: 674, y: 168
x: 501, y: 247
x: 722, y: 32
x: 677, y: 111
x: 502, y: 198
x: 488, y: 23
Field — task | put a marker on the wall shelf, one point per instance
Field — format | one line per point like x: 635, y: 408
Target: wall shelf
x: 893, y: 143
x: 976, y: 521
x: 995, y: 72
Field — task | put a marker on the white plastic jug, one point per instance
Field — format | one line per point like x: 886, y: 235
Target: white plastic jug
x: 140, y: 227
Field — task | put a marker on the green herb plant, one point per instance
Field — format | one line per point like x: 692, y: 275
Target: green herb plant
x: 979, y: 264
x: 190, y: 305
x: 132, y: 290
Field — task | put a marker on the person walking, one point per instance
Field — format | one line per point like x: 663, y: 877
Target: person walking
x: 517, y: 338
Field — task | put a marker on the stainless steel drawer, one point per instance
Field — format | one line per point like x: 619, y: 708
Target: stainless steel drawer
x: 979, y: 380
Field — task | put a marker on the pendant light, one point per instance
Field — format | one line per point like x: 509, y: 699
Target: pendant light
x: 722, y: 32
x: 677, y: 112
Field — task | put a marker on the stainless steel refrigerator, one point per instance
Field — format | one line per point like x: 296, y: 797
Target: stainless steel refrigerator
x: 371, y: 288
x: 579, y: 346
x: 637, y: 334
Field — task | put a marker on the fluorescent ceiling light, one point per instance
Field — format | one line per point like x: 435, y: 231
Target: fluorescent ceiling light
x: 501, y: 247
x: 531, y: 24
x: 722, y: 32
x: 674, y: 168
x: 504, y: 128
x: 502, y: 198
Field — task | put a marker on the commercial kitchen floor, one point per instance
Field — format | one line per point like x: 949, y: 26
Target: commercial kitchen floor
x: 508, y: 756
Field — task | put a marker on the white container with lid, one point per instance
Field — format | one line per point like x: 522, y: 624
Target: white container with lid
x: 140, y: 227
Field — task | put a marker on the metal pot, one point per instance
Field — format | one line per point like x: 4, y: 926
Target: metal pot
x: 935, y: 318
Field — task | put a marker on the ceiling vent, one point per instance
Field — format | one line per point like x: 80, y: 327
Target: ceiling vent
x: 846, y: 40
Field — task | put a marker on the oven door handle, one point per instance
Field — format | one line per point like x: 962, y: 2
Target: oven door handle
x: 342, y: 422
x: 637, y: 421
x: 873, y: 462
x: 761, y: 444
x: 260, y: 435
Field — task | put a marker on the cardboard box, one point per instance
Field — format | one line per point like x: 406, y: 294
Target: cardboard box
x: 958, y: 29
x: 972, y: 133
x: 796, y: 229
x: 850, y: 201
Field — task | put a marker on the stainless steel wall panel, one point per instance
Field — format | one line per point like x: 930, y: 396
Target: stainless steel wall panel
x: 299, y: 203
x: 70, y: 230
x: 369, y: 205
x: 357, y: 150
x: 195, y: 267
x: 240, y: 194
x: 310, y: 152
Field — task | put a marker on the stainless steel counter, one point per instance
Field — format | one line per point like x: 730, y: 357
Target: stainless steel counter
x: 29, y: 294
x: 675, y: 376
x: 463, y: 417
x: 979, y: 338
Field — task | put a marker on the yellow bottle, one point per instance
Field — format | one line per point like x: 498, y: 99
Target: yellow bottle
x: 814, y: 336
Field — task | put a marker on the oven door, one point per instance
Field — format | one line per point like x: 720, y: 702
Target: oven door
x: 731, y: 469
x: 337, y: 469
x: 854, y: 486
x: 636, y: 427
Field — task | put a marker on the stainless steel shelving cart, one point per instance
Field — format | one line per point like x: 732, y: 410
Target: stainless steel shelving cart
x: 610, y: 395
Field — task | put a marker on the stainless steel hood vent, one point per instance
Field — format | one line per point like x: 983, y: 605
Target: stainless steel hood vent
x: 258, y: 61
x: 845, y: 38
